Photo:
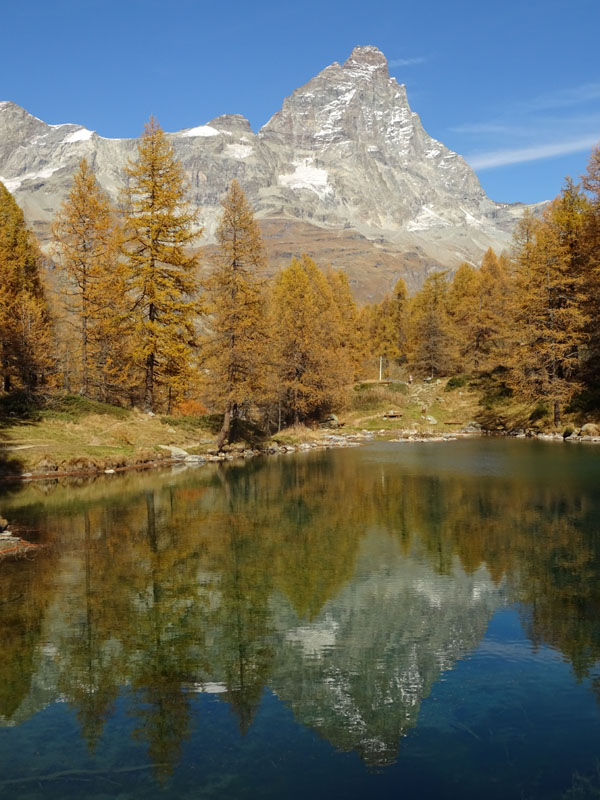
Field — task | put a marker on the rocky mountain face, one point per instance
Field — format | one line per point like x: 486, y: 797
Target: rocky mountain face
x: 344, y: 171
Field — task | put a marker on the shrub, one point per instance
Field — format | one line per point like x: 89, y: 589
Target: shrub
x: 586, y: 401
x: 190, y: 408
x: 539, y: 412
x: 456, y: 382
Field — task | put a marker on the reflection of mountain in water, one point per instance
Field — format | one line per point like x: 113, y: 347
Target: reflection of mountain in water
x: 346, y: 589
x: 359, y: 671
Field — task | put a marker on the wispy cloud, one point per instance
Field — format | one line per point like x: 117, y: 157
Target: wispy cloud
x: 501, y: 158
x: 407, y: 62
x: 484, y: 128
x: 532, y: 127
x: 546, y: 126
x: 563, y: 98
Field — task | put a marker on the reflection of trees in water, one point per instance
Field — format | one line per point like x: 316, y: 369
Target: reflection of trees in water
x: 22, y: 613
x: 311, y: 575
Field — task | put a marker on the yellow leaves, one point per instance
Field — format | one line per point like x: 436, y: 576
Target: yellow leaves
x: 161, y: 279
x: 549, y: 309
x: 25, y: 352
x: 477, y: 304
x: 236, y: 343
x: 86, y: 244
x: 312, y: 365
x: 433, y: 349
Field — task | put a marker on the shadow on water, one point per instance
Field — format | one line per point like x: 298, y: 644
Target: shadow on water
x: 346, y: 583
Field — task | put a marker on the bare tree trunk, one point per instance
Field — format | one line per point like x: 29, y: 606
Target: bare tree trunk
x: 225, y: 431
x: 149, y: 381
x: 149, y: 384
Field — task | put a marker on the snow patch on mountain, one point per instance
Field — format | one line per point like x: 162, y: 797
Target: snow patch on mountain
x: 82, y: 135
x: 307, y: 176
x: 12, y: 184
x: 239, y: 151
x: 426, y: 219
x: 201, y: 130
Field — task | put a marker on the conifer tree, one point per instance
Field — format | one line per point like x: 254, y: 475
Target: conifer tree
x: 432, y: 341
x: 549, y: 320
x: 589, y: 241
x: 400, y: 296
x: 24, y: 321
x: 236, y: 345
x: 312, y: 367
x: 86, y: 239
x: 477, y: 304
x: 386, y: 327
x: 158, y: 231
x: 384, y: 334
x: 348, y: 316
x: 462, y: 294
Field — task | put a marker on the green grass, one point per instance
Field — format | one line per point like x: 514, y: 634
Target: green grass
x: 73, y: 407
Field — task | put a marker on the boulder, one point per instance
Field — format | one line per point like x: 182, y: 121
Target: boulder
x: 46, y: 465
x: 176, y: 452
x: 79, y: 464
x: 590, y: 429
x: 194, y: 459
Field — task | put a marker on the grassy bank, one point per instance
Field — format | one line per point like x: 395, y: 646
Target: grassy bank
x: 70, y: 434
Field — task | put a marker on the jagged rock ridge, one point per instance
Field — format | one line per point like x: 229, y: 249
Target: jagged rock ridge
x: 345, y: 156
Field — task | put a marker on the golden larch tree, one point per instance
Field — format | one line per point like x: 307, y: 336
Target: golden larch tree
x: 25, y: 352
x: 549, y: 320
x: 236, y: 344
x: 590, y: 244
x: 477, y: 303
x: 159, y: 229
x: 432, y: 341
x: 86, y: 242
x: 312, y: 368
x: 348, y: 315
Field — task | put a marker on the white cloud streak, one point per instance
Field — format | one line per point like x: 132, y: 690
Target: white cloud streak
x: 563, y: 98
x: 406, y: 62
x: 502, y: 158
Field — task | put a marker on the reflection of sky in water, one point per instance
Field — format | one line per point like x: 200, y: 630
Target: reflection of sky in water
x: 396, y: 620
x: 537, y: 462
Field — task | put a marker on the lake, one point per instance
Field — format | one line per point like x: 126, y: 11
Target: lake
x: 415, y: 620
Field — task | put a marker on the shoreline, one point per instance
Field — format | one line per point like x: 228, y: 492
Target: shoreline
x: 329, y: 440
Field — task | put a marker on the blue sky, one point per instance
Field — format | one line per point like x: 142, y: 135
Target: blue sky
x: 513, y: 86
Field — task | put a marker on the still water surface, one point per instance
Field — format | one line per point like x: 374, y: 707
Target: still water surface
x: 399, y: 620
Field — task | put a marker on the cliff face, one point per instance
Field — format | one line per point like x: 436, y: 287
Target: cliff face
x: 344, y: 171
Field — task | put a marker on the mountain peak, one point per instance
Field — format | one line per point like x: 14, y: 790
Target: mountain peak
x: 344, y: 153
x: 367, y: 59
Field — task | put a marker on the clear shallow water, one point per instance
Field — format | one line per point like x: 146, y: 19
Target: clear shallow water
x: 414, y: 620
